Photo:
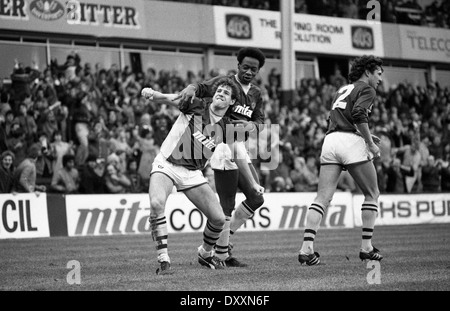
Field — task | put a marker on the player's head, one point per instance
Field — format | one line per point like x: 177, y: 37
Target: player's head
x: 225, y: 92
x: 250, y: 61
x: 366, y: 67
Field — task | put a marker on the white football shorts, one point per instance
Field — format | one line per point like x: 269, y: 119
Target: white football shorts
x: 344, y: 148
x: 182, y: 178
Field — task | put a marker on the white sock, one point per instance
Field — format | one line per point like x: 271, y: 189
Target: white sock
x: 224, y: 239
x: 204, y: 253
x: 240, y: 216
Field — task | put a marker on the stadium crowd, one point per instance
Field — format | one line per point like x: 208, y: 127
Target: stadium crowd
x: 410, y: 12
x: 86, y: 129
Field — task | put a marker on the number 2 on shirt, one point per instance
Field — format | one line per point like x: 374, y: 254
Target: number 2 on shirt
x: 340, y: 101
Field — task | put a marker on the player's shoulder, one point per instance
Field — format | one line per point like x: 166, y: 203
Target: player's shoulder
x: 197, y: 106
x: 361, y: 86
x: 255, y: 88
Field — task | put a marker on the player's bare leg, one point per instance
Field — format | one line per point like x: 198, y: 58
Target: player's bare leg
x: 159, y: 189
x: 366, y: 178
x: 226, y: 184
x: 206, y: 201
x: 328, y: 179
x: 244, y: 210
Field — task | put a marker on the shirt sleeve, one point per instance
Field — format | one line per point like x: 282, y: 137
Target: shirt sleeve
x: 205, y: 88
x: 363, y: 105
x: 196, y: 108
x: 258, y: 115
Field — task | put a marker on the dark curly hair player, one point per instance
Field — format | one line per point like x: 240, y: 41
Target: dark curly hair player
x: 349, y: 145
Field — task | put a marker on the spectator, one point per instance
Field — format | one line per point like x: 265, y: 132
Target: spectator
x: 112, y: 121
x: 27, y: 123
x: 278, y: 185
x: 22, y: 79
x: 3, y: 134
x: 380, y: 168
x: 444, y: 173
x: 6, y: 172
x: 58, y: 149
x: 116, y: 182
x: 81, y: 120
x: 148, y: 151
x: 337, y: 79
x: 412, y: 158
x: 92, y: 179
x: 280, y: 176
x: 119, y: 142
x: 99, y: 139
x: 395, y: 174
x: 9, y: 120
x: 161, y: 126
x: 117, y: 159
x: 299, y: 7
x: 25, y: 174
x: 4, y: 103
x: 137, y: 184
x: 348, y: 9
x: 309, y: 178
x: 69, y: 68
x: 62, y: 117
x: 47, y: 122
x: 430, y: 176
x: 44, y: 162
x: 16, y: 143
x: 387, y: 14
x: 296, y: 174
x: 66, y: 180
x: 436, y: 148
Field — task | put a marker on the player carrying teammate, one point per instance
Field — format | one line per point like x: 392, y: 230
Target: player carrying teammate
x: 183, y: 154
x: 248, y: 111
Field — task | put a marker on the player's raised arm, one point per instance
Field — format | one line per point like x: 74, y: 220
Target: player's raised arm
x: 160, y: 98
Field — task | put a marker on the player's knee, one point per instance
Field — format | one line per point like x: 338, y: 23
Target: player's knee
x: 157, y: 206
x: 255, y: 202
x: 228, y: 206
x: 372, y: 195
x: 323, y: 201
x: 218, y: 220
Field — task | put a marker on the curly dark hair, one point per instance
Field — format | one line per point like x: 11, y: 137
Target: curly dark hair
x: 66, y: 158
x: 227, y: 81
x: 361, y: 64
x: 251, y: 52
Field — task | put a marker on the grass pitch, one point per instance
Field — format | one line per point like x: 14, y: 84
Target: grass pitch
x: 416, y: 258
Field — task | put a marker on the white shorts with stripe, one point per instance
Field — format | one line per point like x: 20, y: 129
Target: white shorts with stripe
x: 344, y: 148
x: 182, y: 178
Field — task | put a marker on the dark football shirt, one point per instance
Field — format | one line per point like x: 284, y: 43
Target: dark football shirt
x: 351, y: 105
x: 248, y: 107
x: 193, y: 137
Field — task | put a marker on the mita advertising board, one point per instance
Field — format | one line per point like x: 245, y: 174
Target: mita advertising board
x: 33, y: 216
x: 325, y: 35
x: 128, y: 214
x: 90, y: 17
